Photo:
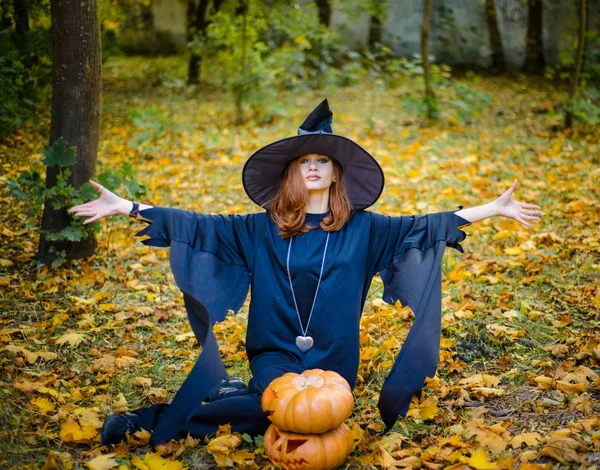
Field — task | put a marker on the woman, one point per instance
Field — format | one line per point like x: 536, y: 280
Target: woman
x: 309, y: 260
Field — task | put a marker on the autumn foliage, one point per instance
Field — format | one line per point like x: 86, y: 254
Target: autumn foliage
x: 518, y: 381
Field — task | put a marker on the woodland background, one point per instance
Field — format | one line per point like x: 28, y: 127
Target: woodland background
x: 164, y: 101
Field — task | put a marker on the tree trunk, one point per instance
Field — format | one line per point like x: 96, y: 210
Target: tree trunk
x: 76, y: 108
x: 378, y: 13
x: 429, y: 94
x: 534, y: 52
x: 21, y: 16
x: 324, y: 7
x: 198, y: 27
x: 5, y: 21
x: 578, y: 63
x: 498, y: 62
x: 375, y: 31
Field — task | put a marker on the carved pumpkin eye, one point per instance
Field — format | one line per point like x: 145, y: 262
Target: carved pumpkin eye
x: 293, y: 444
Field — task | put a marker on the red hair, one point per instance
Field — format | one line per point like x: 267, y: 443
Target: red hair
x: 288, y: 205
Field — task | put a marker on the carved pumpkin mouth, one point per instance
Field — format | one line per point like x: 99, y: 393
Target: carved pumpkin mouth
x: 287, y: 447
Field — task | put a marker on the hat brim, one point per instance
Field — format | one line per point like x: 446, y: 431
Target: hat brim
x: 363, y: 176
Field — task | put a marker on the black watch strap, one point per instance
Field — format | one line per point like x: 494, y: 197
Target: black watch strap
x: 135, y: 210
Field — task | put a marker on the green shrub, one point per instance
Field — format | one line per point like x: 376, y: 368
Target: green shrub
x: 25, y: 77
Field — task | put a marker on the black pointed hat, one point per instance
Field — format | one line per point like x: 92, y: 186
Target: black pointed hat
x: 363, y: 176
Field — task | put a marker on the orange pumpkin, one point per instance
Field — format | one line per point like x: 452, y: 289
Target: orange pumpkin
x: 308, y: 451
x: 313, y: 402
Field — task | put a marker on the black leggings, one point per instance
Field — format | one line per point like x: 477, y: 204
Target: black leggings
x: 241, y: 409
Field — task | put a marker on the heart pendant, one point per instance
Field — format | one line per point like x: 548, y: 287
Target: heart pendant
x: 304, y: 343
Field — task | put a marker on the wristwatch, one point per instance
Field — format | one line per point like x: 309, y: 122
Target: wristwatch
x: 135, y: 210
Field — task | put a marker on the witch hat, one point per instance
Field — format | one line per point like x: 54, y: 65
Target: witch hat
x: 362, y: 174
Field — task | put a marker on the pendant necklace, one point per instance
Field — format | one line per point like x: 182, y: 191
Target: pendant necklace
x: 304, y: 342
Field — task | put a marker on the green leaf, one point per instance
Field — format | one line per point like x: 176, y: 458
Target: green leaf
x: 70, y: 233
x: 59, y: 154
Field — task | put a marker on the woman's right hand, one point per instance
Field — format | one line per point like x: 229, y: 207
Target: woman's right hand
x: 107, y: 204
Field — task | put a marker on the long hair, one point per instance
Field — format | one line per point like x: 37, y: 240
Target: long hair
x: 287, y: 207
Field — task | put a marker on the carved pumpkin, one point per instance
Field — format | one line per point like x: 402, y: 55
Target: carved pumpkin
x: 308, y: 451
x: 311, y: 403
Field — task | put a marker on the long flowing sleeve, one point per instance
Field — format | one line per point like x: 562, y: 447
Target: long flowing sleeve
x: 211, y: 257
x: 407, y: 253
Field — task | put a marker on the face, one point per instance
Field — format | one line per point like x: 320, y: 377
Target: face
x: 317, y: 171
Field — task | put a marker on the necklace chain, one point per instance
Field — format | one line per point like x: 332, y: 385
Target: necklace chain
x: 318, y: 284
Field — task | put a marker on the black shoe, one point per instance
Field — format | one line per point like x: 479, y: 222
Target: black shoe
x: 116, y: 427
x: 227, y: 387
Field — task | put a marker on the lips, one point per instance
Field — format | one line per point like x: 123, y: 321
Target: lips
x: 313, y: 178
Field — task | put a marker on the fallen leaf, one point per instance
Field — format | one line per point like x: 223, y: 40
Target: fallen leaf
x: 102, y: 462
x: 145, y: 382
x: 44, y: 405
x: 529, y: 438
x: 72, y: 339
x: 221, y: 447
x: 563, y: 449
x: 105, y: 363
x: 480, y: 380
x: 73, y: 433
x: 153, y: 461
x: 480, y: 460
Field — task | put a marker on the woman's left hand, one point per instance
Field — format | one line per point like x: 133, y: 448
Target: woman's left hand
x: 520, y: 211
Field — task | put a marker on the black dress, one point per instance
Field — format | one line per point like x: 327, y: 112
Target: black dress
x: 215, y: 259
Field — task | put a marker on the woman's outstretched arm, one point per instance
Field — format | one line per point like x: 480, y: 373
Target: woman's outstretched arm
x: 106, y: 205
x: 506, y: 206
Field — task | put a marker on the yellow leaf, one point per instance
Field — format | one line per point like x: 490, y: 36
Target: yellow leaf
x: 428, y: 409
x: 480, y: 460
x: 71, y: 432
x: 6, y: 263
x: 153, y: 461
x: 145, y: 382
x: 124, y: 362
x: 567, y: 387
x: 88, y: 418
x: 102, y: 462
x: 43, y: 404
x: 157, y: 395
x: 529, y: 438
x: 221, y: 448
x: 119, y: 401
x: 545, y: 382
x: 488, y: 392
x: 513, y: 250
x: 480, y: 380
x: 73, y: 339
x: 503, y: 234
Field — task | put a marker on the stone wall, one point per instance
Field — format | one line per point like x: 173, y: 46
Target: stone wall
x: 459, y: 29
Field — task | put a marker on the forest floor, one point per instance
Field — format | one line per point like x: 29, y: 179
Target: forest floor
x: 517, y: 386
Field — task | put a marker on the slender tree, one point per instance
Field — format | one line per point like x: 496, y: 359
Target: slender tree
x: 197, y: 27
x: 378, y: 10
x: 198, y: 21
x: 430, y: 99
x: 578, y: 63
x: 76, y: 108
x: 498, y: 62
x: 21, y: 17
x: 534, y: 50
x: 324, y: 7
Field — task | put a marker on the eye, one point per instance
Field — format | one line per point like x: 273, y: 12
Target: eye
x: 323, y: 160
